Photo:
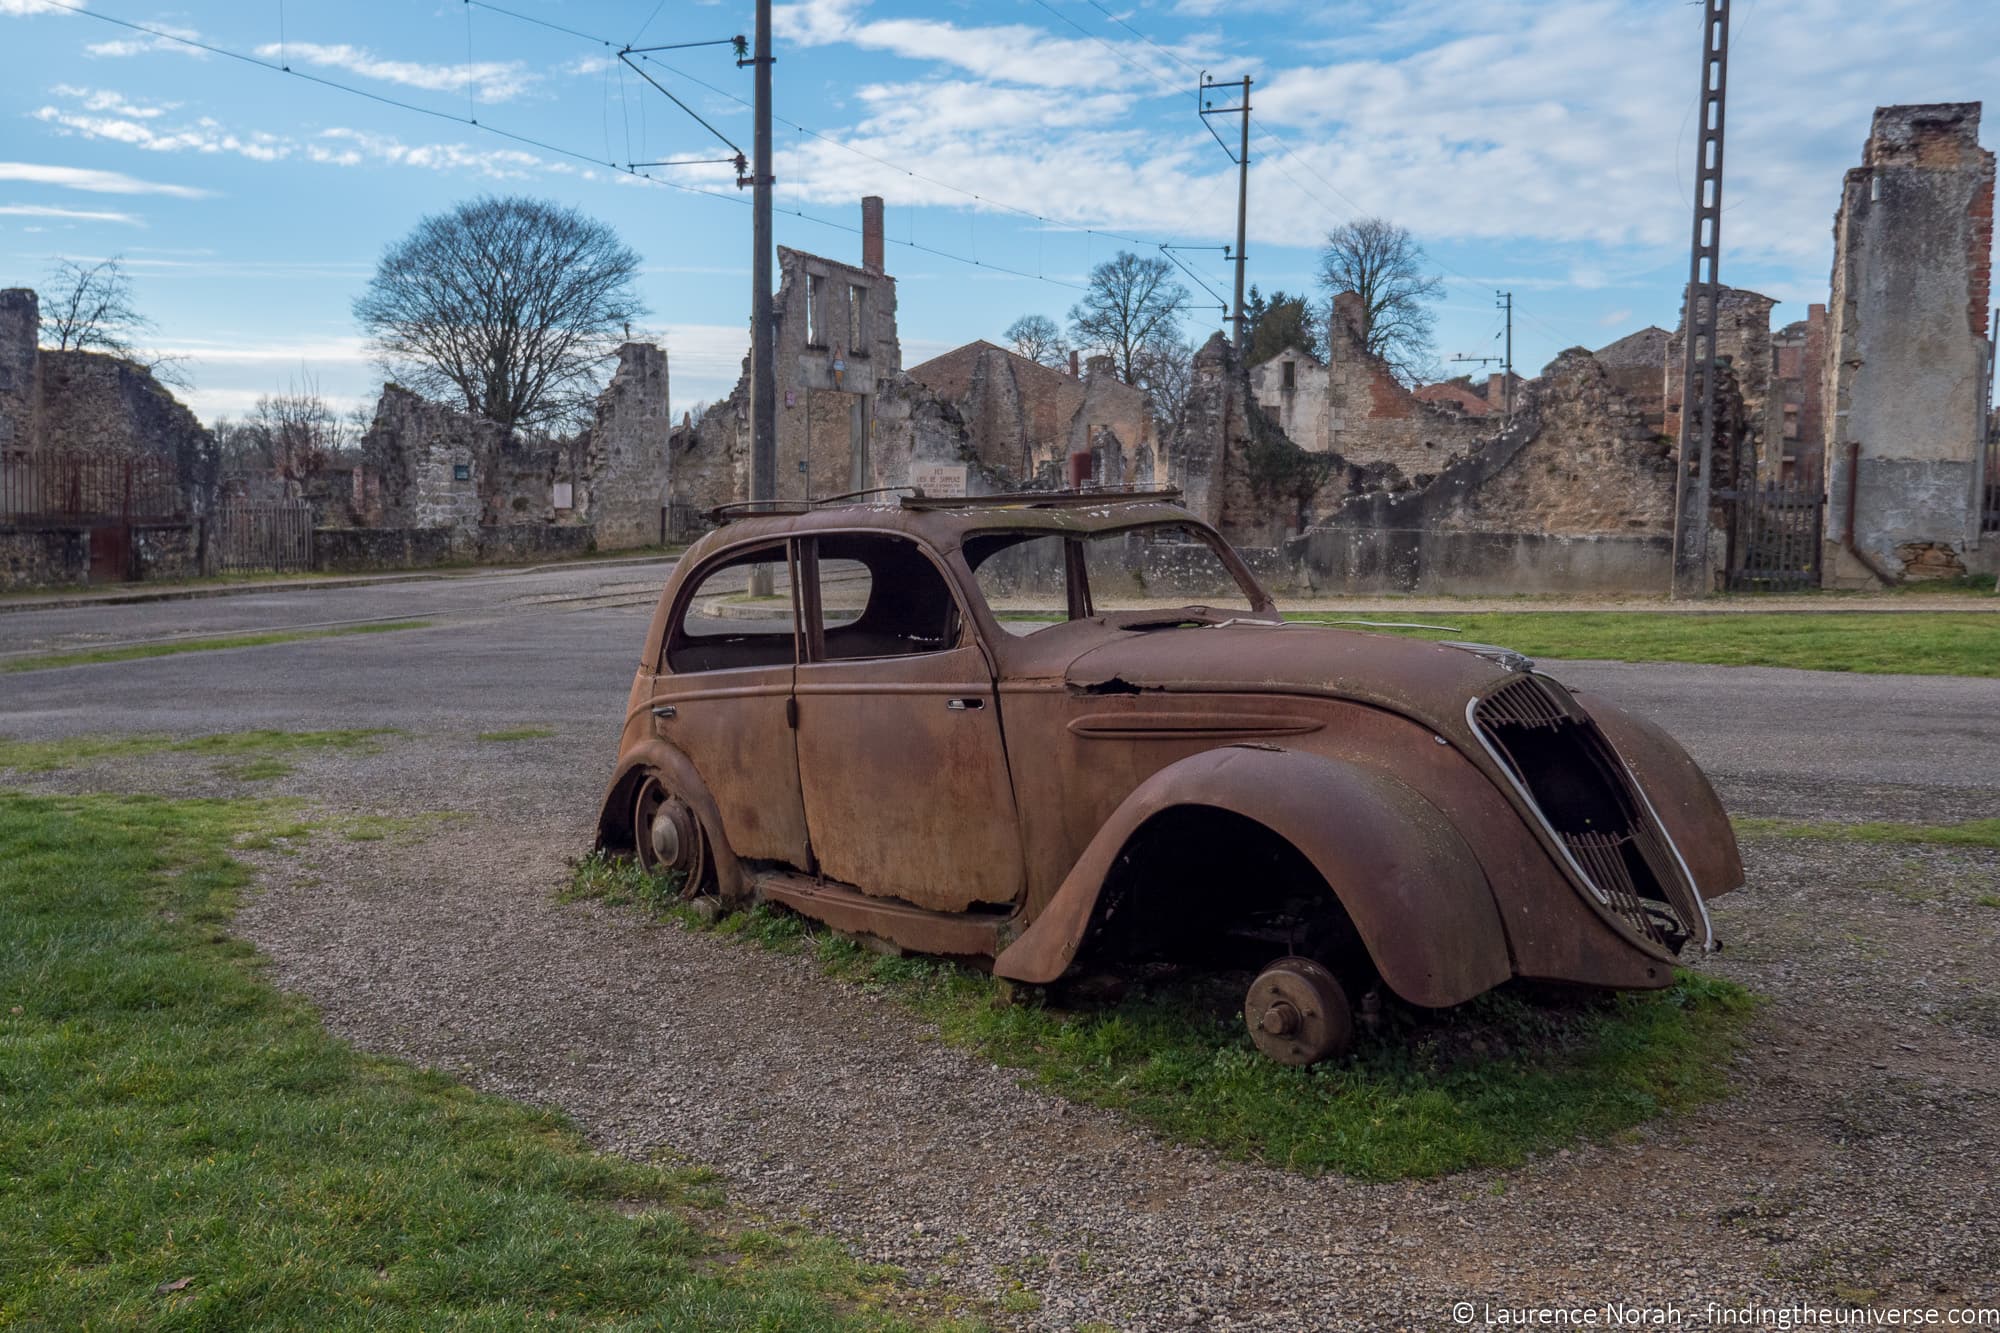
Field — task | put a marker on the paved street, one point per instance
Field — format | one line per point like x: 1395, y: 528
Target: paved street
x: 557, y: 648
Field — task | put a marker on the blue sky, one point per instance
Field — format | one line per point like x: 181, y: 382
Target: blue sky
x: 1543, y: 147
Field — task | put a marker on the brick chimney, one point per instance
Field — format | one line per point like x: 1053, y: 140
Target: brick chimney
x: 1496, y: 389
x: 871, y: 233
x: 1074, y: 372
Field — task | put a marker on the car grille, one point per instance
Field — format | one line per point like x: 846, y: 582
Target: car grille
x: 1586, y: 799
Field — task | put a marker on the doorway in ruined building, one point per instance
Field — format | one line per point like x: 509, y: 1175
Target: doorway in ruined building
x: 834, y: 457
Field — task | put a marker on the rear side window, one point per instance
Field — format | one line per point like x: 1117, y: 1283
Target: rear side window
x: 880, y: 596
x: 740, y: 615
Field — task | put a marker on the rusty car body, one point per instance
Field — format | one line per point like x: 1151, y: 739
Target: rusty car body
x: 836, y: 710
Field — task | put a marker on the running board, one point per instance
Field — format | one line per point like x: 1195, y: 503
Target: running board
x: 964, y: 934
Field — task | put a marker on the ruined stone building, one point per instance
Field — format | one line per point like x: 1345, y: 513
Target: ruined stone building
x: 849, y: 417
x: 102, y: 470
x: 436, y: 484
x: 1352, y: 404
x: 1026, y: 419
x: 1798, y: 358
x: 1906, y: 350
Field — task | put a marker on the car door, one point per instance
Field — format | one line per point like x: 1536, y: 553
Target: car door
x: 724, y: 698
x: 901, y: 764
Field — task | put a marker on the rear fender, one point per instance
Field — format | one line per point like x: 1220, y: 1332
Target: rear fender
x: 1413, y: 889
x: 614, y: 816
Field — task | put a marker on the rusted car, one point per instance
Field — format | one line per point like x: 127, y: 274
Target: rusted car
x: 1069, y: 732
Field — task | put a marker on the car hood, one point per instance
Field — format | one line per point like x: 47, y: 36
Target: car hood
x: 1427, y: 681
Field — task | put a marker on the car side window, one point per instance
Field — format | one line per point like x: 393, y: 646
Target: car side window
x: 881, y: 596
x: 739, y: 615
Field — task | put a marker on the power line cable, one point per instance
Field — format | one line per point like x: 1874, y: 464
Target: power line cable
x: 528, y: 140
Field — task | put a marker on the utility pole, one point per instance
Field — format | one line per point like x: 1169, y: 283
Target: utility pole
x: 1696, y: 456
x: 763, y: 361
x: 1242, y: 159
x: 1505, y: 302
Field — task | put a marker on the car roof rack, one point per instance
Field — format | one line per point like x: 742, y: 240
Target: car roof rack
x: 1087, y: 495
x: 916, y: 499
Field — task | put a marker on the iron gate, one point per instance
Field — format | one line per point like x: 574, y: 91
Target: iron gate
x: 262, y: 536
x: 1775, y: 535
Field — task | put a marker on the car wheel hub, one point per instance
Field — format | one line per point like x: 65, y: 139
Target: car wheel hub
x: 1297, y: 1013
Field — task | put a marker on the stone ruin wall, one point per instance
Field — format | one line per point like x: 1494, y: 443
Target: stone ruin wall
x: 1905, y: 346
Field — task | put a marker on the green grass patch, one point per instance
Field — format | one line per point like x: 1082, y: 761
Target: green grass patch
x: 250, y: 755
x: 1970, y: 833
x: 518, y: 734
x: 186, y: 1147
x: 175, y: 647
x: 1928, y: 643
x: 1482, y: 1085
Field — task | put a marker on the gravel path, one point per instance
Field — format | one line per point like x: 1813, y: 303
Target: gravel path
x: 1856, y: 1156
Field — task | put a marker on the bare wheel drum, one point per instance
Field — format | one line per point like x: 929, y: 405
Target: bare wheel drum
x: 667, y: 835
x: 1298, y: 1014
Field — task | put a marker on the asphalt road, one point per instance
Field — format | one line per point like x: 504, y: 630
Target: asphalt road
x: 557, y: 648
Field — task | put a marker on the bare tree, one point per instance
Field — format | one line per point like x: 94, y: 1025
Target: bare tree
x: 509, y: 305
x: 288, y: 436
x: 89, y: 308
x: 1166, y: 371
x: 1131, y: 302
x: 1038, y: 338
x: 1383, y: 265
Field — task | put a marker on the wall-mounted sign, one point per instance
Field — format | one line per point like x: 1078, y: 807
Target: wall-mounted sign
x: 461, y: 472
x: 938, y: 478
x: 563, y: 498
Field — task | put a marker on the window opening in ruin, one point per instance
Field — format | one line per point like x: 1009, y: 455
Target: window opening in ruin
x: 721, y: 627
x: 1291, y: 380
x: 857, y: 320
x: 815, y: 310
x: 881, y: 596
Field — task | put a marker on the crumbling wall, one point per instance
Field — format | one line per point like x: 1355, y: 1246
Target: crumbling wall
x: 20, y: 329
x: 1743, y: 336
x: 1906, y: 340
x: 429, y: 459
x: 625, y: 454
x: 1798, y: 352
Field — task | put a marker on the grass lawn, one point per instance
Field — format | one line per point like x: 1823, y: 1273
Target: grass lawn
x: 1971, y: 833
x: 175, y: 647
x: 1482, y: 1085
x: 185, y: 1147
x: 244, y: 755
x: 1929, y: 643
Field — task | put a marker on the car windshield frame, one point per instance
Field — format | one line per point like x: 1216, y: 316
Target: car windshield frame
x: 1081, y: 598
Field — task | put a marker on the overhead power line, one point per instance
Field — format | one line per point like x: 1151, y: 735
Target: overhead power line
x: 544, y: 145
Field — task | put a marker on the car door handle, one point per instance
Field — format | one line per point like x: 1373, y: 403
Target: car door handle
x: 664, y: 710
x: 965, y: 705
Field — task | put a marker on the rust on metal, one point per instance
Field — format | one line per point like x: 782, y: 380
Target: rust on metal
x: 884, y: 744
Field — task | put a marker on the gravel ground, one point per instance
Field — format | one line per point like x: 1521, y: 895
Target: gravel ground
x: 1855, y: 1157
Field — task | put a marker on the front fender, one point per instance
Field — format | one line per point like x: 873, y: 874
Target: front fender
x: 1409, y: 883
x: 1680, y: 792
x: 614, y: 815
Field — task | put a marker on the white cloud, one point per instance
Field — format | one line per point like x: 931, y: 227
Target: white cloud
x: 94, y: 181
x: 103, y: 99
x: 147, y: 43
x: 490, y: 81
x: 70, y: 214
x: 202, y: 135
x: 22, y: 8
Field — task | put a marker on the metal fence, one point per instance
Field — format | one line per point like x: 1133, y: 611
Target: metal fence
x: 1775, y: 544
x: 261, y: 536
x: 1989, y: 511
x: 72, y: 486
x: 681, y: 524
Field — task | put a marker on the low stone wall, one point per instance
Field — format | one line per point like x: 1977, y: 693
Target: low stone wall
x: 1416, y: 560
x: 56, y: 556
x: 356, y: 550
x: 43, y: 557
